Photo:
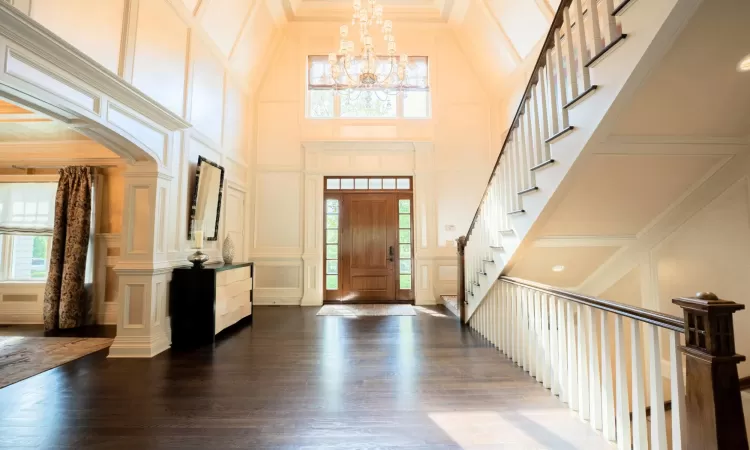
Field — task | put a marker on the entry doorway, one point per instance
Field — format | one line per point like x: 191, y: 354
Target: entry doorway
x: 369, y: 250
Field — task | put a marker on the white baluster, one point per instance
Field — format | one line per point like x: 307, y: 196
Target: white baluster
x: 537, y: 93
x: 562, y: 89
x: 562, y: 355
x: 610, y: 27
x: 525, y: 328
x: 523, y: 165
x: 552, y: 90
x: 608, y: 402
x: 582, y: 47
x: 516, y: 177
x: 542, y: 116
x: 621, y: 382
x: 658, y: 422
x: 570, y: 54
x: 530, y: 143
x: 677, y: 388
x: 510, y: 321
x: 500, y: 316
x: 596, y: 33
x: 539, y: 362
x: 572, y: 363
x: 531, y: 299
x: 583, y: 375
x: 554, y: 352
x: 545, y: 360
x: 595, y: 390
x: 507, y: 199
x: 514, y: 324
x: 495, y: 324
x: 640, y: 436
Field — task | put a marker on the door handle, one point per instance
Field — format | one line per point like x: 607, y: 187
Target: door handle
x: 390, y: 253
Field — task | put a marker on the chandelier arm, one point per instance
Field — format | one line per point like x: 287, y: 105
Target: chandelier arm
x: 346, y: 72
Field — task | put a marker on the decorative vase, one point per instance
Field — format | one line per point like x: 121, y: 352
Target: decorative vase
x: 227, y: 250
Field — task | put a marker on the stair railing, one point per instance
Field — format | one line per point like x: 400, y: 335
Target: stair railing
x: 580, y: 33
x: 590, y: 353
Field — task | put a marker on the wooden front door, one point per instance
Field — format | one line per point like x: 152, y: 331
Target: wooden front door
x: 368, y: 246
x: 372, y: 255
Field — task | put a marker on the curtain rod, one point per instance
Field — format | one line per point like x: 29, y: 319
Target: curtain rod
x: 95, y: 165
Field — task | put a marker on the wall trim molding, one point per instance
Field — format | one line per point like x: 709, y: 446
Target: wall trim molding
x: 33, y: 36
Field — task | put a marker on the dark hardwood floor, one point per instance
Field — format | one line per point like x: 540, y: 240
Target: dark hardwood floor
x: 293, y: 380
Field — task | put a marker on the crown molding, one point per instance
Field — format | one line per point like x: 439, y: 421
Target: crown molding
x: 33, y: 36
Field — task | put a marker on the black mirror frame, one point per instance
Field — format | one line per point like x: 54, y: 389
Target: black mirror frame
x: 202, y: 160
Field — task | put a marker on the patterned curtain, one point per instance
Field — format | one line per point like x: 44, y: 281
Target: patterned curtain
x: 66, y: 302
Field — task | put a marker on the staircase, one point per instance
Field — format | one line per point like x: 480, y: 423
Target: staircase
x: 616, y: 365
x: 583, y: 72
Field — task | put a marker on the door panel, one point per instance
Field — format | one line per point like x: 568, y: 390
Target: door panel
x: 369, y: 239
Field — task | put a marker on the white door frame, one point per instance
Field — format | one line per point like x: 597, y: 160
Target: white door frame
x: 368, y: 158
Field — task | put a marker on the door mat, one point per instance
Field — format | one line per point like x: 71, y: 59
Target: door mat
x: 367, y: 310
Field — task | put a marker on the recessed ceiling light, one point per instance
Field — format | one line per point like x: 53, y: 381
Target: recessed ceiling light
x: 558, y: 268
x: 744, y: 64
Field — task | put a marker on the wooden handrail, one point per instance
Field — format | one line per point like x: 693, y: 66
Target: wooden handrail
x: 644, y: 315
x: 541, y: 61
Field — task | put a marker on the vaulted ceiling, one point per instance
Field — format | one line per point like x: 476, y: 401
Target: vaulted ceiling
x: 499, y: 36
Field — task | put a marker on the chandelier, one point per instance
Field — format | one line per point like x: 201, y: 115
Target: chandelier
x: 365, y: 70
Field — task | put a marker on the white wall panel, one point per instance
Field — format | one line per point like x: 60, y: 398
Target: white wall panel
x: 278, y: 134
x: 278, y: 220
x: 223, y: 21
x: 207, y: 91
x: 253, y: 43
x: 161, y: 54
x: 92, y: 26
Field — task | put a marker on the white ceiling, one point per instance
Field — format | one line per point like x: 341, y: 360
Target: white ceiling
x: 27, y: 136
x: 20, y: 125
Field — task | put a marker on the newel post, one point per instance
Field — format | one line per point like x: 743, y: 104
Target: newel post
x: 461, y: 295
x: 713, y: 406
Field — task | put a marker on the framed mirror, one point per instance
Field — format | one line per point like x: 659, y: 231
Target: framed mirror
x: 206, y: 207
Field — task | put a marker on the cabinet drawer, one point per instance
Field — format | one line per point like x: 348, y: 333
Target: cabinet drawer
x: 230, y: 276
x: 231, y: 290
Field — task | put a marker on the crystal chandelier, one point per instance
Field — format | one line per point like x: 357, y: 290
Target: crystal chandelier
x: 350, y: 70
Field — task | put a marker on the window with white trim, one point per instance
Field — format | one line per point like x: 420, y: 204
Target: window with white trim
x: 326, y: 101
x: 26, y: 221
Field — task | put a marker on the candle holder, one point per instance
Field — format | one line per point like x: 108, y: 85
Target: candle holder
x: 197, y: 236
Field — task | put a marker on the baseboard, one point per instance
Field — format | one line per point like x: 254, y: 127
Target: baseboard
x: 317, y: 302
x: 745, y: 384
x: 277, y: 301
x: 21, y: 318
x: 138, y: 346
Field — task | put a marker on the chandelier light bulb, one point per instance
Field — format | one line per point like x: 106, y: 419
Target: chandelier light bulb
x: 357, y: 5
x: 344, y: 30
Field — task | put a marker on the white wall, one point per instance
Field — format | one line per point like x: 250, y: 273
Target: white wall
x: 710, y: 250
x: 202, y: 62
x: 449, y: 155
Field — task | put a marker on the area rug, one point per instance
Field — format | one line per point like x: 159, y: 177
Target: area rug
x: 22, y: 357
x: 366, y: 310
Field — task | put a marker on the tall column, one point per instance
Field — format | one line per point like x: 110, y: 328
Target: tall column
x: 143, y: 270
x: 713, y: 406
